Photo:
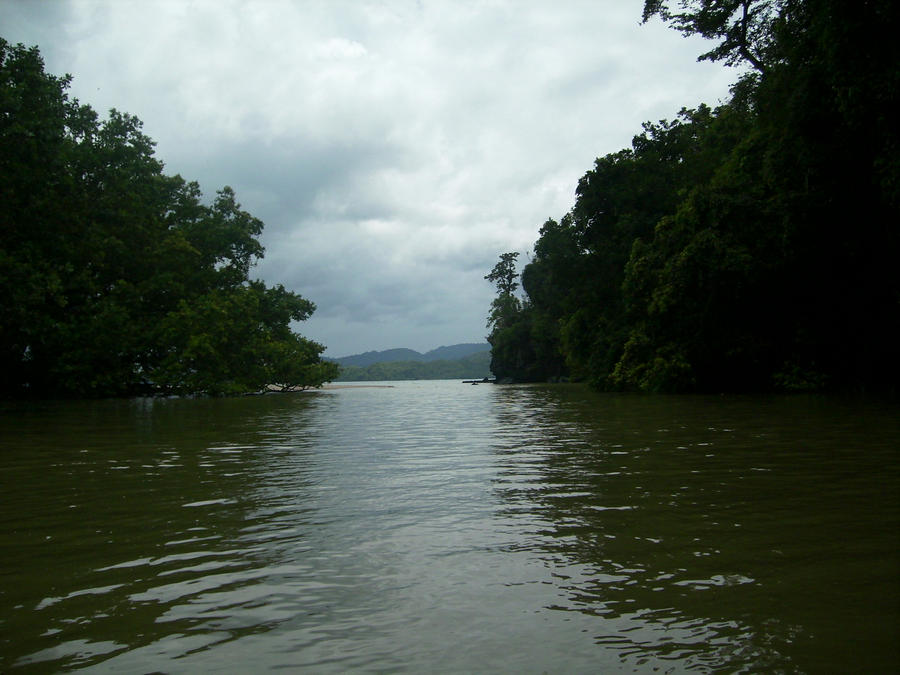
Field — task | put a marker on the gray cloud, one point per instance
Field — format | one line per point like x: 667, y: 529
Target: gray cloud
x: 394, y: 149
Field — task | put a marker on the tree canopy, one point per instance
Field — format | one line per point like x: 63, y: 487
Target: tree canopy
x: 745, y: 28
x: 752, y: 246
x: 117, y: 279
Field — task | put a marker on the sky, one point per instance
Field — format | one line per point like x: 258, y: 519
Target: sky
x: 393, y: 148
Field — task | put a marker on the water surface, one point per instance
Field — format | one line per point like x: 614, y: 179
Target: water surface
x: 442, y: 527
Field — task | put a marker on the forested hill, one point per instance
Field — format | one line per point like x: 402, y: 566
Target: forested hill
x: 751, y: 246
x: 118, y: 280
x: 451, y: 353
x: 368, y: 358
x: 473, y: 366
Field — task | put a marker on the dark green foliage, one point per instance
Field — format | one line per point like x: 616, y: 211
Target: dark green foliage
x: 506, y: 304
x: 116, y: 279
x: 515, y: 345
x: 749, y: 247
x: 744, y: 28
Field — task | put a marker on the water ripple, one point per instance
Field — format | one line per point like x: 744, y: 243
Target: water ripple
x: 543, y: 528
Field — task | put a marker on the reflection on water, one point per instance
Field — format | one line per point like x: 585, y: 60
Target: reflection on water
x: 435, y: 526
x: 728, y: 533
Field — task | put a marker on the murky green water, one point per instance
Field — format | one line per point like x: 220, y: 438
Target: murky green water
x: 441, y: 527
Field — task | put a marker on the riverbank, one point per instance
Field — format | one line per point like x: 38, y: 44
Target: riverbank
x: 276, y: 389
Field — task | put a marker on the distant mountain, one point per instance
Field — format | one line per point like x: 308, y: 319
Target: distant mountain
x: 368, y: 358
x: 454, y: 352
x: 451, y: 353
x: 473, y: 366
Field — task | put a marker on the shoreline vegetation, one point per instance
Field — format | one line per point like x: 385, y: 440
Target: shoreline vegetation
x: 277, y: 389
x: 117, y: 280
x: 750, y: 247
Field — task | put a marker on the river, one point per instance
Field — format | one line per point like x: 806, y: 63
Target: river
x: 445, y: 527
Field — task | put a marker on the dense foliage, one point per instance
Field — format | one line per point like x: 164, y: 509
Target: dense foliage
x: 116, y: 279
x: 748, y: 247
x: 474, y: 366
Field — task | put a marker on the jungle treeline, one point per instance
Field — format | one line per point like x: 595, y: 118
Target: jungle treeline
x: 117, y: 279
x: 746, y: 247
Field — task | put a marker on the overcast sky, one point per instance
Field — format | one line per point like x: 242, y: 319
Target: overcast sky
x: 393, y: 148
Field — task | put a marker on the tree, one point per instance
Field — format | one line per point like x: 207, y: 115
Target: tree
x: 774, y: 272
x: 575, y: 281
x: 506, y: 305
x: 504, y: 274
x: 524, y: 343
x: 505, y: 320
x: 749, y: 247
x: 116, y: 279
x: 744, y: 27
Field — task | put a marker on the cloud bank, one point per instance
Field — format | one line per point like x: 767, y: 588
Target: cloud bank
x: 393, y: 148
